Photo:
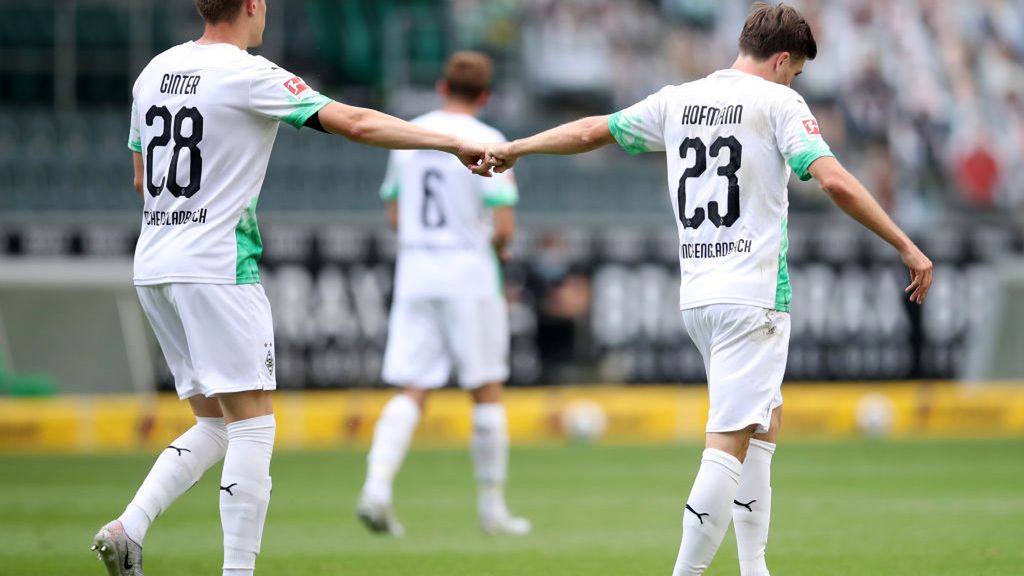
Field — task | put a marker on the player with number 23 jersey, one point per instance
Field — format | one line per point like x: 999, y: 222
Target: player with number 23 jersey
x: 732, y: 222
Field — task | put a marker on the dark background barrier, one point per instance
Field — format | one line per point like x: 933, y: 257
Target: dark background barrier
x: 595, y: 303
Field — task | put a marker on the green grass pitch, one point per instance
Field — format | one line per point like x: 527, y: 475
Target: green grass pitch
x: 842, y: 509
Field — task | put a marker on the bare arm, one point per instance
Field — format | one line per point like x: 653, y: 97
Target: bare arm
x: 392, y: 208
x: 504, y: 229
x: 575, y: 137
x: 374, y: 128
x: 853, y: 198
x: 137, y: 161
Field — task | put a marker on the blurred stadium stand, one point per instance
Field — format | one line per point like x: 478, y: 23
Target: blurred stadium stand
x: 924, y: 100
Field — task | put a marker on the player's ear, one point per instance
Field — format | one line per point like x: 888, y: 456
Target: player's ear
x: 442, y: 88
x: 250, y: 7
x: 781, y: 59
x: 483, y: 99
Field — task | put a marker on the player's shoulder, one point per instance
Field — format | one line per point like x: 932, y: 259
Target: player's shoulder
x: 161, y: 63
x: 487, y: 133
x: 784, y: 93
x: 250, y: 66
x: 259, y: 63
x: 210, y: 57
x: 671, y: 90
x: 464, y: 124
x: 166, y: 58
x: 744, y: 82
x: 775, y: 92
x: 426, y: 118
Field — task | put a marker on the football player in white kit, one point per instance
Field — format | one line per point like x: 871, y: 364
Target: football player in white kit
x: 448, y: 310
x: 731, y: 141
x: 203, y: 124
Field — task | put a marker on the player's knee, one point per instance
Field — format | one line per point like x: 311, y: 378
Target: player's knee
x: 417, y: 395
x: 489, y: 393
x: 205, y: 407
x: 245, y: 405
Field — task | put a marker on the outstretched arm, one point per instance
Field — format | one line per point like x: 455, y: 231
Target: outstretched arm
x: 374, y: 128
x: 575, y: 137
x: 853, y: 198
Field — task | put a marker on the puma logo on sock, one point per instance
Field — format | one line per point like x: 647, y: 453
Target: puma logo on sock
x: 180, y: 450
x: 698, y: 514
x: 228, y: 488
x: 747, y: 505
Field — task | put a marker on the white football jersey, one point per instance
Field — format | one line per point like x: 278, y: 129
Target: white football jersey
x: 444, y: 215
x: 731, y: 140
x: 204, y: 119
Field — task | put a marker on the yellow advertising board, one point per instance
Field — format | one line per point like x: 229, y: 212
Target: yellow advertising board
x: 620, y: 414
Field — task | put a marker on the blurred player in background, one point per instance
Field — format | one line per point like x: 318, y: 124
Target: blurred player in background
x: 203, y: 124
x: 731, y: 141
x: 448, y: 310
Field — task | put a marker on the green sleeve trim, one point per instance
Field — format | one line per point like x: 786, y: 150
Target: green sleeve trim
x: 503, y: 196
x: 622, y: 129
x: 303, y: 110
x: 813, y: 149
x: 389, y: 192
x: 135, y: 146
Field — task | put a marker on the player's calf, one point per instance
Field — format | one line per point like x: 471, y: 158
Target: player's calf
x: 245, y: 491
x: 489, y: 445
x: 707, y: 514
x: 178, y: 468
x: 752, y: 507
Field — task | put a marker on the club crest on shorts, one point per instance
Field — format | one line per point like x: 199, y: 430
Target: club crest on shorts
x: 269, y: 362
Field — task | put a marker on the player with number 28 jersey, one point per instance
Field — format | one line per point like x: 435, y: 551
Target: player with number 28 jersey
x: 205, y: 119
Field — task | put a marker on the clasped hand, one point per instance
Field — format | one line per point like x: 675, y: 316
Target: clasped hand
x: 481, y: 159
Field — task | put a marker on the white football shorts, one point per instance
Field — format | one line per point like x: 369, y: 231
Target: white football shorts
x: 216, y: 338
x: 427, y: 337
x: 745, y: 349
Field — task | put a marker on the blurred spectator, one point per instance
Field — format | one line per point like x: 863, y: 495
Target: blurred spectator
x: 928, y: 83
x: 563, y: 294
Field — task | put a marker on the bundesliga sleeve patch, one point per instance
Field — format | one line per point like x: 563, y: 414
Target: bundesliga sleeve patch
x: 811, y: 125
x: 296, y: 86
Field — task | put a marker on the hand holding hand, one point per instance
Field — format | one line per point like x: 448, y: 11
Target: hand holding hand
x: 473, y: 155
x: 501, y: 157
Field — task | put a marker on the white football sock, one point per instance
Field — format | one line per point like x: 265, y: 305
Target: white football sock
x: 752, y: 509
x: 489, y: 445
x: 180, y: 466
x: 707, y: 513
x: 391, y: 438
x: 245, y: 491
